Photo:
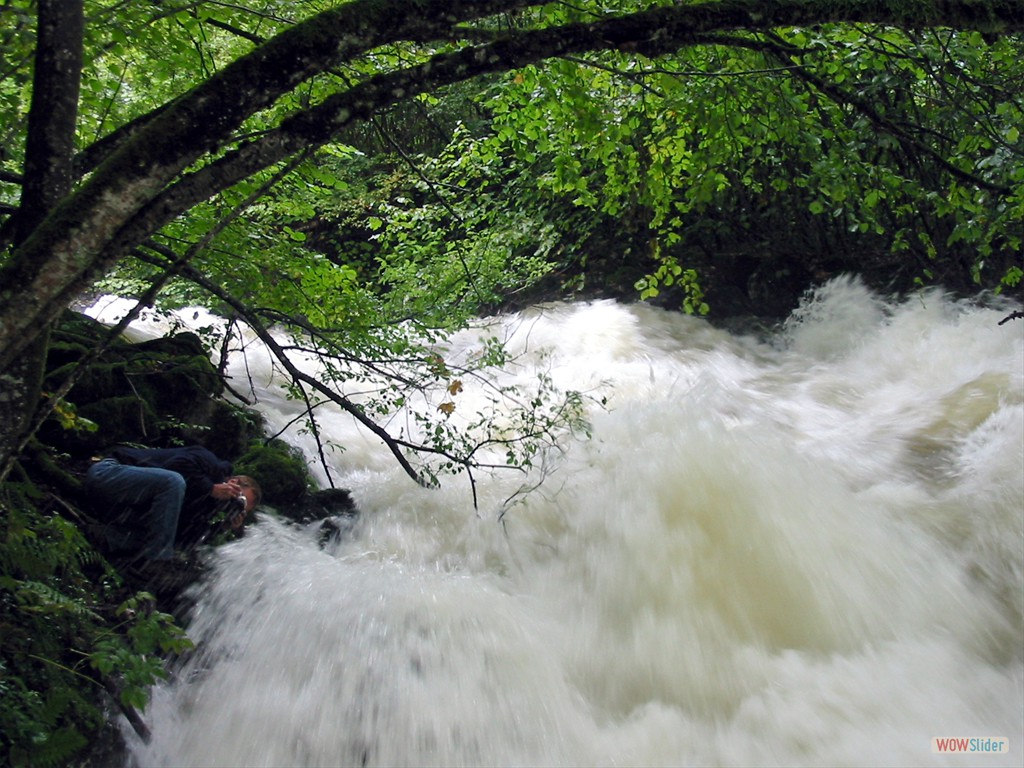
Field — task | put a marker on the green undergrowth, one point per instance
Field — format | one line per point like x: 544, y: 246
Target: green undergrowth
x: 76, y: 641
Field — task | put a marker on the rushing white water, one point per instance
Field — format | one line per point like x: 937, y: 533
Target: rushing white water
x: 808, y: 552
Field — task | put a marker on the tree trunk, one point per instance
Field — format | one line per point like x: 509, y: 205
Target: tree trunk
x: 49, y: 150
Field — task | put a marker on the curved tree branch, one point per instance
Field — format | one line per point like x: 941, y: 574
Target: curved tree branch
x: 127, y: 198
x: 79, y: 241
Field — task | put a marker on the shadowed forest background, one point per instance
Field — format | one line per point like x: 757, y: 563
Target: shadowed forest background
x: 368, y: 177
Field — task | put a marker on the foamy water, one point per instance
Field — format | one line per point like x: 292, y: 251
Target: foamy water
x: 802, y: 552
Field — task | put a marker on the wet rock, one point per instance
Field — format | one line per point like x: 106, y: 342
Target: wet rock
x: 335, y: 528
x: 320, y: 505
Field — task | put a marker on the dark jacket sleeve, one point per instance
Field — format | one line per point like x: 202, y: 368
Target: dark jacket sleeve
x: 201, y: 470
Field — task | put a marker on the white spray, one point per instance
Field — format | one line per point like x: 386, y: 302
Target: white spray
x: 809, y: 552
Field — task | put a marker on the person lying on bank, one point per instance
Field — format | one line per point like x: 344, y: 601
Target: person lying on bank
x: 155, y: 501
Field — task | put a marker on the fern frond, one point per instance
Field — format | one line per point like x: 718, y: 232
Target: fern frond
x: 37, y: 597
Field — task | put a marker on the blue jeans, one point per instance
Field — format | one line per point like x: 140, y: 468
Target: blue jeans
x: 140, y: 505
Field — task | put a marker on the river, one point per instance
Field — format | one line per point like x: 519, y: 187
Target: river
x: 806, y: 549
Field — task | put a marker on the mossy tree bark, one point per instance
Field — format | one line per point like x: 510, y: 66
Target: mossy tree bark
x: 47, y: 179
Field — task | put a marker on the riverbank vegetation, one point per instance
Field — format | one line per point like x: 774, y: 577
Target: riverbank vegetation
x: 363, y: 178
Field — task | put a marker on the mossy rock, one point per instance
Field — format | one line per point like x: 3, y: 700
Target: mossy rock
x: 159, y: 392
x: 335, y: 504
x: 175, y: 364
x: 75, y: 335
x: 125, y: 419
x: 228, y: 430
x: 279, y: 468
x: 288, y: 487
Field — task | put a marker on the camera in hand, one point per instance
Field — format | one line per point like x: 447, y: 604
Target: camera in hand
x: 231, y: 507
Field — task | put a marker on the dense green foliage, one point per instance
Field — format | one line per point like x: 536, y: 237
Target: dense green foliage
x: 830, y: 148
x: 64, y: 641
x: 725, y: 173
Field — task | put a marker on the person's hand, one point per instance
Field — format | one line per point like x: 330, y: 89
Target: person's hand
x: 227, y: 490
x: 232, y: 489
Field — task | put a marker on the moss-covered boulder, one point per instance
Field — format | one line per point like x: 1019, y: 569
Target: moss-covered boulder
x: 289, y: 488
x: 159, y: 392
x: 280, y: 470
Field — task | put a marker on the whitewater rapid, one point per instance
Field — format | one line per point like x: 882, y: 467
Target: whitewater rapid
x: 800, y: 550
